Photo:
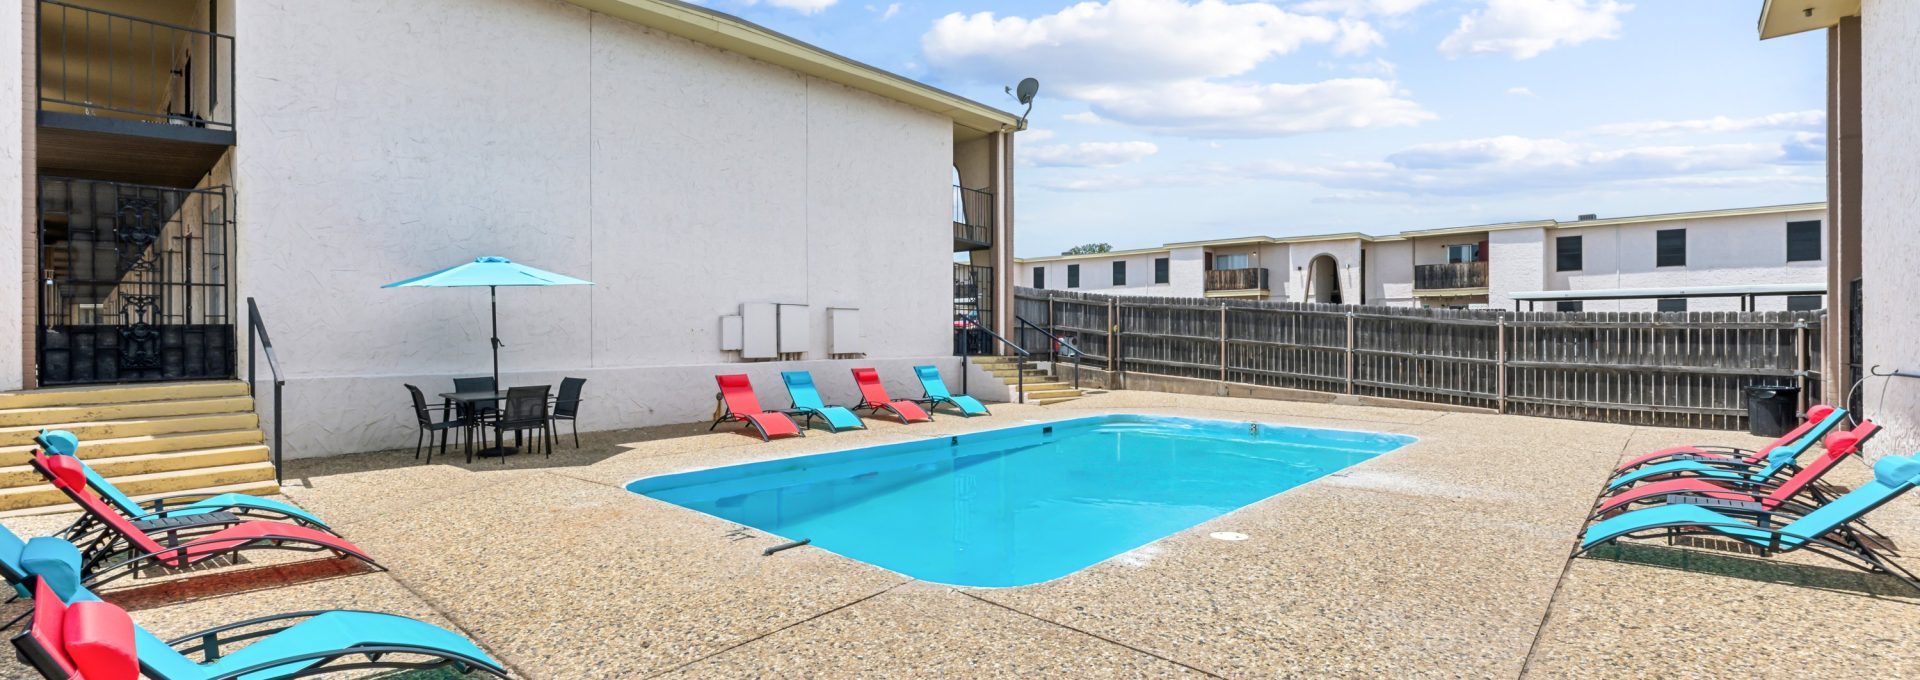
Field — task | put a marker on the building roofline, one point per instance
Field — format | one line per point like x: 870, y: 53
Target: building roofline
x: 1778, y: 18
x: 1445, y: 231
x: 734, y: 34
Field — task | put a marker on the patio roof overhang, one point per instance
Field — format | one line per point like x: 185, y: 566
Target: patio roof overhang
x: 1787, y: 17
x: 735, y: 34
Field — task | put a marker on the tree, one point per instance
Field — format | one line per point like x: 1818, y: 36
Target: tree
x: 1090, y: 249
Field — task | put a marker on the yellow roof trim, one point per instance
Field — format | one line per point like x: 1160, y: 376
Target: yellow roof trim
x: 1778, y: 18
x: 734, y: 34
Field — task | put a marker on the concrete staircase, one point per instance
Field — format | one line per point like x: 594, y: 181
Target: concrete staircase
x: 1042, y: 387
x: 151, y: 440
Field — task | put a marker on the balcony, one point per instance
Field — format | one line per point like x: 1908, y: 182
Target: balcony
x: 1459, y: 276
x: 1238, y: 282
x: 972, y: 219
x: 131, y: 98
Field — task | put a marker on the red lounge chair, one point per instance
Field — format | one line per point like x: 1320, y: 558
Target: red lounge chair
x: 873, y: 397
x: 737, y: 404
x: 118, y: 536
x: 1820, y: 417
x: 1839, y: 446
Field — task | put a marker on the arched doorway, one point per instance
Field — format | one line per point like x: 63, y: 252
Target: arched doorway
x: 1323, y: 280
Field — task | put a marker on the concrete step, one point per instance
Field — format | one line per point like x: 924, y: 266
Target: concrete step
x: 113, y: 429
x: 83, y: 413
x: 93, y: 449
x: 994, y: 360
x: 1010, y: 372
x: 1055, y: 400
x: 262, y: 488
x: 174, y: 481
x: 1032, y: 387
x: 1053, y: 394
x: 126, y: 466
x: 120, y: 394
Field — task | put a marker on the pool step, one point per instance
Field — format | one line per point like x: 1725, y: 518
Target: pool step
x: 158, y: 438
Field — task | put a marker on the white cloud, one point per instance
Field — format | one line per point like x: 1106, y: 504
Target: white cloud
x: 1209, y: 109
x: 801, y: 6
x: 1507, y: 164
x: 1360, y: 7
x: 1792, y: 120
x: 1520, y: 91
x: 1523, y: 29
x: 1083, y: 117
x: 1036, y: 135
x: 1088, y: 154
x: 893, y: 10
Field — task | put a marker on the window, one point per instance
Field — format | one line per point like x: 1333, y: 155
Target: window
x: 1120, y: 272
x: 1234, y: 261
x: 1803, y: 241
x: 1073, y: 276
x: 1039, y: 277
x: 1670, y: 248
x: 1804, y: 303
x: 1570, y: 305
x: 1463, y: 253
x: 1567, y: 254
x: 1159, y: 270
x: 1673, y: 305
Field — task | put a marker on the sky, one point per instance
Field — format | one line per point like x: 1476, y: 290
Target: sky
x: 1178, y: 120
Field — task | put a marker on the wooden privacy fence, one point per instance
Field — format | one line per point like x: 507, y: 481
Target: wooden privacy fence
x: 1680, y: 369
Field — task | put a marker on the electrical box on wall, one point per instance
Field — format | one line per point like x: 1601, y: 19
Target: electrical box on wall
x: 759, y: 330
x: 732, y: 335
x: 843, y: 331
x: 795, y: 332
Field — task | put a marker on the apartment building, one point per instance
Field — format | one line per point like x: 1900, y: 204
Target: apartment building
x: 1481, y: 265
x: 168, y: 160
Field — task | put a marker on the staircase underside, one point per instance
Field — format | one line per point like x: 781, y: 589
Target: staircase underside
x: 150, y: 440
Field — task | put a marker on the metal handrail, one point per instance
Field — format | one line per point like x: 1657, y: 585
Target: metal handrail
x: 1052, y: 355
x: 116, y: 58
x: 1019, y: 371
x: 257, y: 326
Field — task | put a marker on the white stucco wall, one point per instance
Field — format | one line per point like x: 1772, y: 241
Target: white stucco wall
x: 681, y: 179
x: 1890, y: 200
x: 12, y: 195
x: 1187, y: 271
x: 1346, y: 257
x: 1096, y: 276
x: 1516, y: 262
x: 1721, y: 251
x: 1389, y: 276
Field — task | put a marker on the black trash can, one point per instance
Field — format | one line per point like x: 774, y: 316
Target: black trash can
x: 1771, y: 409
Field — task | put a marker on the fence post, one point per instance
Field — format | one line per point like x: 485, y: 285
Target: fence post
x: 1500, y: 365
x: 1113, y: 341
x: 1223, y: 342
x: 1349, y: 352
x: 1800, y: 360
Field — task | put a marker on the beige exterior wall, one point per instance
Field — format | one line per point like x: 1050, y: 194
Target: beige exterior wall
x: 1721, y: 251
x: 682, y: 179
x: 16, y: 237
x: 1889, y: 179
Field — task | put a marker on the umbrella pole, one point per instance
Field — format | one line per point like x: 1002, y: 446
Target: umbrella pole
x: 493, y: 303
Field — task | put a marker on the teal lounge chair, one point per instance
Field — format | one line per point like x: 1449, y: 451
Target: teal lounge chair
x: 64, y: 443
x: 282, y: 646
x: 1830, y: 530
x: 937, y: 394
x: 1781, y: 460
x: 807, y: 402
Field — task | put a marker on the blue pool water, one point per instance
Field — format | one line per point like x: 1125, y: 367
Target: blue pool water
x: 1020, y: 505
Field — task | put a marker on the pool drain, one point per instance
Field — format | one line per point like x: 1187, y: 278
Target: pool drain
x: 1227, y: 536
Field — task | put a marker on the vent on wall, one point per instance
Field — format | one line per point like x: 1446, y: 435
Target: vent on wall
x: 843, y: 333
x: 760, y: 328
x: 795, y: 331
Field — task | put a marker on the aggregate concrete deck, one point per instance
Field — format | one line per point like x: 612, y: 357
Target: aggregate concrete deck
x: 1445, y: 558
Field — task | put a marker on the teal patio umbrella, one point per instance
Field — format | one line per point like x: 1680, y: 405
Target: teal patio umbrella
x: 492, y: 272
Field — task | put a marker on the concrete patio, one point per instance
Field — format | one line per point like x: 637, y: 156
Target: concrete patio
x: 1445, y: 558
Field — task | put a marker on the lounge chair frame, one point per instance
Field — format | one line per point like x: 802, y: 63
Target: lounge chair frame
x: 728, y: 416
x: 207, y: 643
x: 1849, y: 550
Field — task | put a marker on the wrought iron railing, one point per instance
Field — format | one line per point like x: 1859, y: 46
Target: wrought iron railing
x: 1057, y: 347
x: 1020, y: 372
x: 972, y: 216
x: 100, y: 63
x: 972, y: 307
x: 1450, y: 276
x: 1237, y: 279
x: 257, y: 328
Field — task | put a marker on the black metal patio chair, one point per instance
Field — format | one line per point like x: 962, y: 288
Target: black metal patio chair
x: 423, y: 414
x: 526, y: 409
x: 567, y: 406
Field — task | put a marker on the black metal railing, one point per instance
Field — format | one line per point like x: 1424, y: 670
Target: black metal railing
x: 972, y: 217
x: 100, y: 63
x: 1254, y: 278
x: 256, y: 327
x: 1057, y: 347
x: 1020, y: 370
x: 1450, y: 276
x: 972, y: 307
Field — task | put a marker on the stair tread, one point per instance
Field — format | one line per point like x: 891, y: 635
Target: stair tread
x: 195, y: 401
x: 104, y: 444
x: 268, y: 486
x: 108, y: 421
x: 138, y: 457
x: 122, y: 393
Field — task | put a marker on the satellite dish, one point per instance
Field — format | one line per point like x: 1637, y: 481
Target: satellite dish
x: 1026, y: 90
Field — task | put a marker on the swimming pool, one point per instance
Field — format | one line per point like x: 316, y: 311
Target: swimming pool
x: 1019, y: 505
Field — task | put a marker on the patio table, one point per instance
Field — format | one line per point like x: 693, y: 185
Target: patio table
x: 472, y: 400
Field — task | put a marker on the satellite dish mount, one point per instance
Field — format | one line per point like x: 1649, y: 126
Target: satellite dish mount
x: 1025, y: 92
